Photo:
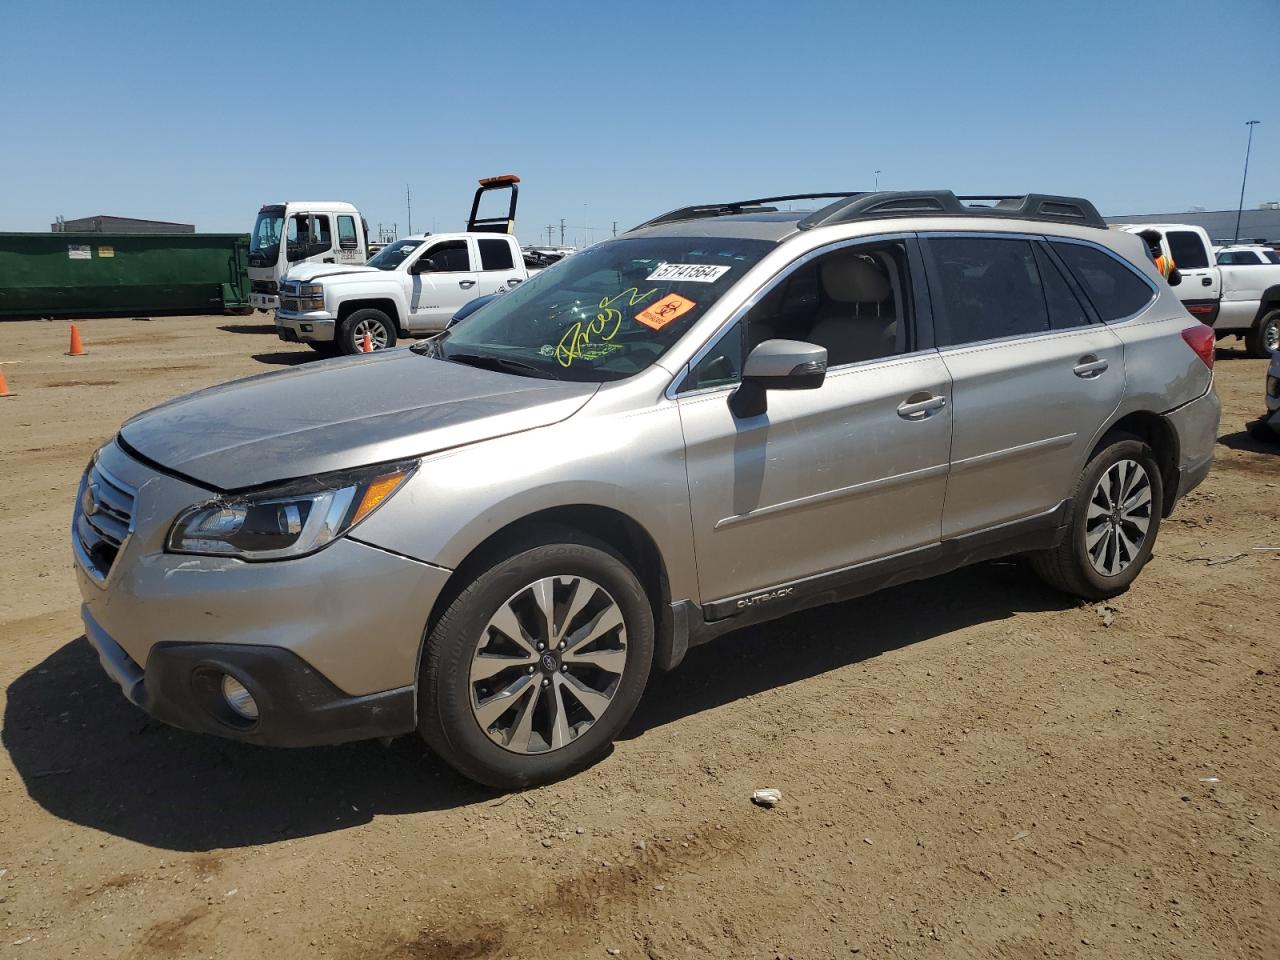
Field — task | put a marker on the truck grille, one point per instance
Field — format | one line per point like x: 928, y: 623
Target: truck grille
x: 103, y: 519
x: 263, y: 286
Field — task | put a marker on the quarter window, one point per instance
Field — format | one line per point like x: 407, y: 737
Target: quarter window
x: 1238, y: 258
x: 1188, y: 250
x: 495, y: 255
x: 347, y: 233
x: 987, y: 288
x: 1115, y: 290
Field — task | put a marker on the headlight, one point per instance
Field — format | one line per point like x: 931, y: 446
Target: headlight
x: 290, y: 520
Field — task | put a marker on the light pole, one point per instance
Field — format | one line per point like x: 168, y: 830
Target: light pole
x: 1240, y: 209
x: 877, y: 181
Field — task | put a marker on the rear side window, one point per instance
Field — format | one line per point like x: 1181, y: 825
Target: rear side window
x: 347, y: 233
x: 495, y: 255
x: 1188, y: 250
x: 986, y: 288
x: 1065, y: 310
x: 1237, y: 258
x: 1115, y: 290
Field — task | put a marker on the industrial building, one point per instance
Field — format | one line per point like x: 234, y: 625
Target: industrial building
x: 103, y: 223
x: 1261, y: 224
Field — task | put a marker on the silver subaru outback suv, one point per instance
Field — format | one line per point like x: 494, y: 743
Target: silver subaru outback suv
x: 726, y: 414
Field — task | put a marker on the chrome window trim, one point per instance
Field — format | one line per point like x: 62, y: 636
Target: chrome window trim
x: 673, y: 391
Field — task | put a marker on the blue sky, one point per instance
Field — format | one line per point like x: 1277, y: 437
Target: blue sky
x: 203, y: 112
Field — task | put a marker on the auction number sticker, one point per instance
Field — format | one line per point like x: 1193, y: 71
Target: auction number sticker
x: 79, y: 251
x: 671, y: 307
x: 689, y: 272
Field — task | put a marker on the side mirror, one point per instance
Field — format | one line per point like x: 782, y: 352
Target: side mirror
x: 422, y: 265
x: 777, y: 365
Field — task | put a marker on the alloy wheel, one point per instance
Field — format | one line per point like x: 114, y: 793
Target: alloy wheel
x: 1271, y: 333
x: 1118, y: 517
x: 376, y: 331
x: 548, y: 664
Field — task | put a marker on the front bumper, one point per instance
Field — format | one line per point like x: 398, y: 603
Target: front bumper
x: 297, y: 706
x: 330, y: 640
x: 263, y: 301
x: 319, y: 327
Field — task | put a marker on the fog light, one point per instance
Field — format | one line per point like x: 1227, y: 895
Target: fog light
x: 305, y: 327
x: 238, y: 698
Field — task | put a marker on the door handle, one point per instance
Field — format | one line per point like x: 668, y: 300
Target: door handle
x: 1089, y: 367
x: 913, y: 408
x: 466, y: 284
x: 512, y: 281
x: 1206, y: 281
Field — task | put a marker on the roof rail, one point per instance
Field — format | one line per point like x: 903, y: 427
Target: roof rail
x: 758, y: 205
x: 944, y: 203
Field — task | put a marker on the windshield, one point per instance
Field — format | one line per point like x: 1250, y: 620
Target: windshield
x: 394, y: 254
x: 605, y: 313
x: 264, y: 245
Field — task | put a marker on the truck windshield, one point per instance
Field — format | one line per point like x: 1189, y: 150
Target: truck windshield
x: 264, y: 245
x: 603, y: 314
x: 394, y: 254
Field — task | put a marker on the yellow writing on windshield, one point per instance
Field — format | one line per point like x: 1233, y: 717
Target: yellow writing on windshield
x: 580, y: 337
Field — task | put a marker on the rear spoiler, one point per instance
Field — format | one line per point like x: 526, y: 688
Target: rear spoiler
x: 507, y: 224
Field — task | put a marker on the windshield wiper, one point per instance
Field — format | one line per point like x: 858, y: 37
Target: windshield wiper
x: 502, y: 364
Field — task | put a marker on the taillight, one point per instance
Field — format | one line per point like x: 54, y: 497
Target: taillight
x: 1201, y: 340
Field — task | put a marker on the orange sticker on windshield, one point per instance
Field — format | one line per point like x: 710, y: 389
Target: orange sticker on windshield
x: 671, y: 307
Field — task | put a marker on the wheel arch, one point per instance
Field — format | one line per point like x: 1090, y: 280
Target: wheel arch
x: 1159, y: 435
x: 617, y: 530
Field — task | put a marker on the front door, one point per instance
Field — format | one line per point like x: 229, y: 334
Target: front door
x: 1034, y: 377
x: 442, y: 279
x: 850, y: 472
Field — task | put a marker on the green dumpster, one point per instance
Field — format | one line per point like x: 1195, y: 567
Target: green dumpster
x: 98, y: 274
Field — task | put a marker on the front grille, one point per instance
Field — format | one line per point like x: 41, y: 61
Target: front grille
x: 103, y: 519
x: 289, y: 305
x: 264, y: 286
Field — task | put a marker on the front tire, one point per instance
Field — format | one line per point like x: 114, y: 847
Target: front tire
x: 537, y: 664
x: 1115, y: 516
x: 371, y: 321
x: 1264, y: 338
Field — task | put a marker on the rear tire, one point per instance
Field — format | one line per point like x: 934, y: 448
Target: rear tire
x: 1264, y: 337
x: 1115, y: 516
x: 379, y: 326
x: 513, y: 712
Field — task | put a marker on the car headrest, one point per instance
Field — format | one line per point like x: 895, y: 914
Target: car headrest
x: 854, y: 278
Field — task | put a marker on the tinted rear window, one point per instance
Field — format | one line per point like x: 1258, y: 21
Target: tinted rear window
x: 495, y: 255
x: 988, y: 288
x: 1188, y: 250
x: 1115, y: 290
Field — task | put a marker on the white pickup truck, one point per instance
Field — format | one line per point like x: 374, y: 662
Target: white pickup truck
x: 412, y: 287
x: 1236, y: 295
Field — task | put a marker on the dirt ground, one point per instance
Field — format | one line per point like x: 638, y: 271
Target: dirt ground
x: 971, y: 766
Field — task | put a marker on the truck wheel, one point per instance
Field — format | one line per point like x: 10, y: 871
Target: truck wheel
x: 1264, y: 338
x: 379, y: 327
x: 1115, y: 515
x: 537, y: 664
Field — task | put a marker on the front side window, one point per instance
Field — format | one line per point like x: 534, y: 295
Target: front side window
x: 986, y: 288
x: 394, y: 254
x: 495, y: 255
x: 308, y: 235
x: 606, y: 313
x: 1114, y: 289
x: 448, y: 257
x: 347, y: 233
x: 854, y: 301
x: 1187, y: 249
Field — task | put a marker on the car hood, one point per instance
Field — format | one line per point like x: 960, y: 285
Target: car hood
x: 336, y: 414
x: 308, y: 272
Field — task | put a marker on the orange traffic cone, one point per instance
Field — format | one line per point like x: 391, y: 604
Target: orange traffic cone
x: 366, y: 347
x: 77, y: 348
x: 4, y: 388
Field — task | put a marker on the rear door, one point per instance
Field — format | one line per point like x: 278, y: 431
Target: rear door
x: 498, y: 264
x: 1201, y: 287
x: 1034, y: 376
x: 442, y: 279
